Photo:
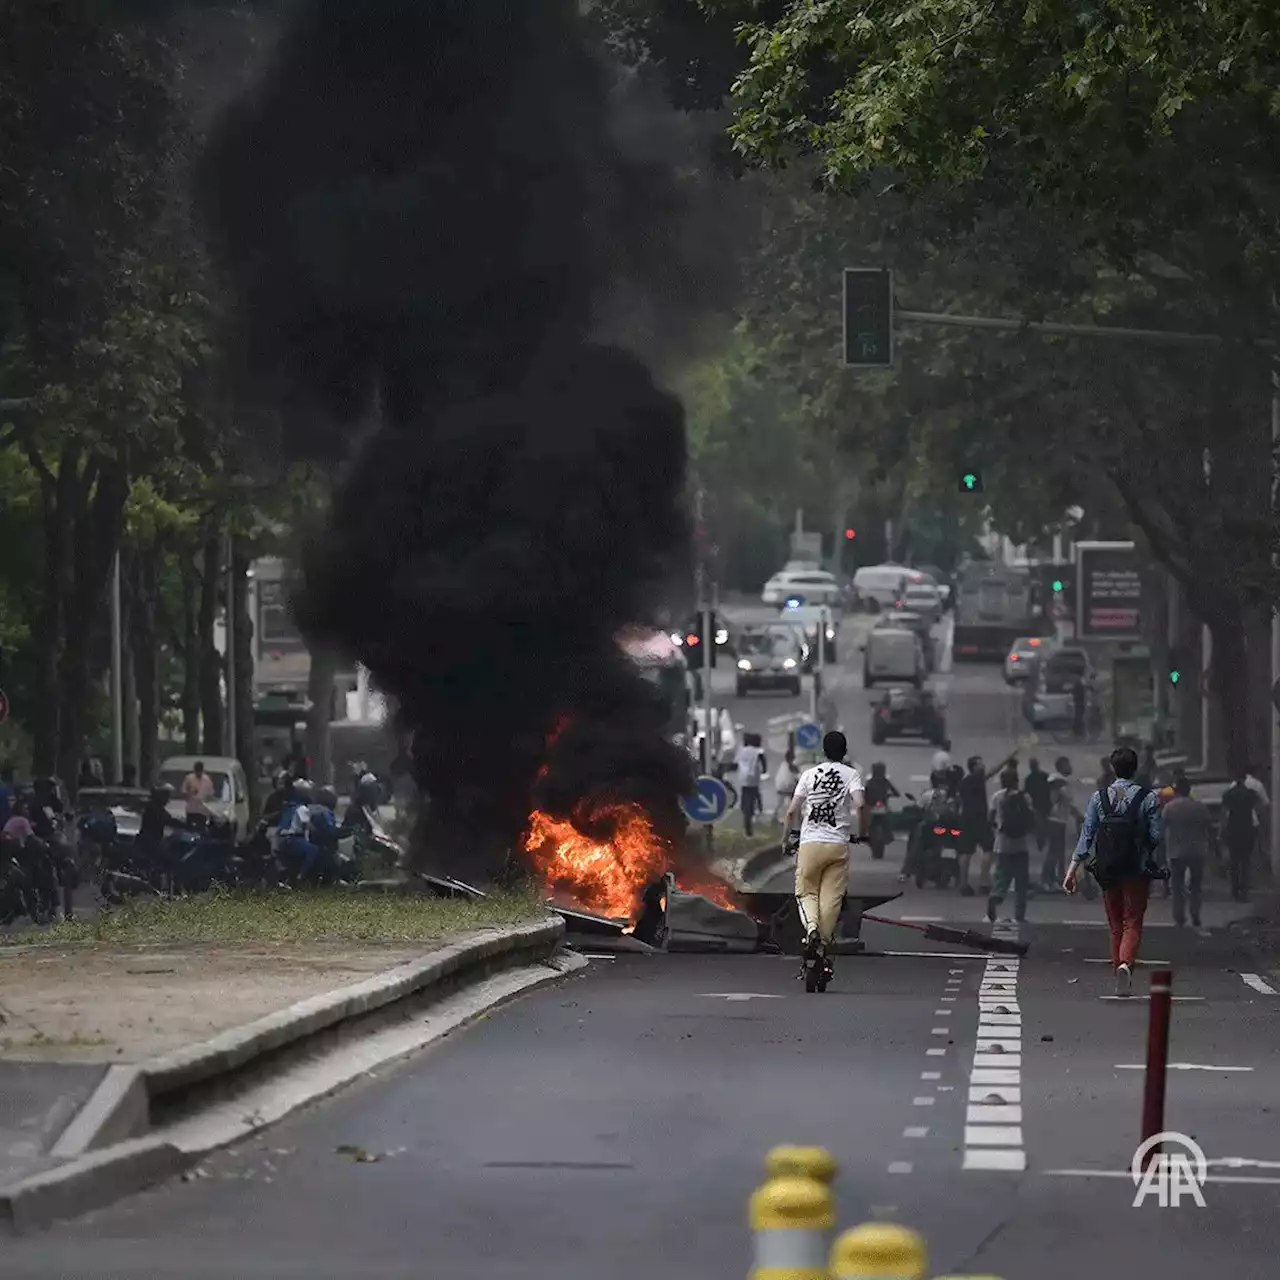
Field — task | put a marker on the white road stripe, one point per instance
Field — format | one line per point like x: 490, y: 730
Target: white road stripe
x: 1000, y: 1078
x: 1178, y: 1066
x: 900, y: 1166
x: 931, y: 1075
x: 993, y: 1139
x: 938, y: 1031
x: 915, y: 1131
x: 996, y: 1159
x: 934, y: 1053
x: 1258, y: 983
x: 1126, y: 1173
x: 923, y: 1102
x: 992, y: 1135
x: 993, y: 1113
x: 982, y: 1093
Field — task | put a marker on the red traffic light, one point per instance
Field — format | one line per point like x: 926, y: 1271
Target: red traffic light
x: 692, y: 639
x: 850, y: 534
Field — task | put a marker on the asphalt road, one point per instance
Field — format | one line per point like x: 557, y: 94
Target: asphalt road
x: 615, y: 1123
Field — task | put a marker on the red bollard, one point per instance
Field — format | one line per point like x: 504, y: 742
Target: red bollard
x: 1157, y: 1059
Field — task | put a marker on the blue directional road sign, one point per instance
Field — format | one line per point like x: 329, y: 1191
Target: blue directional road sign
x: 809, y: 737
x: 709, y: 802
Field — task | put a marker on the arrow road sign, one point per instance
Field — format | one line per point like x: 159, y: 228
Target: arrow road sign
x: 809, y: 737
x: 709, y: 802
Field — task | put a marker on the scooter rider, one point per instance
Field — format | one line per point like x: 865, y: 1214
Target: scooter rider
x: 829, y: 799
x: 364, y: 805
x: 879, y: 789
x: 295, y: 840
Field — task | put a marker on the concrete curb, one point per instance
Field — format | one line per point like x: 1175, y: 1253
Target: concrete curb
x: 108, y: 1145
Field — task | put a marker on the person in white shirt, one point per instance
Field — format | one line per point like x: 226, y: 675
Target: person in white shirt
x: 751, y: 766
x: 784, y: 783
x: 829, y: 800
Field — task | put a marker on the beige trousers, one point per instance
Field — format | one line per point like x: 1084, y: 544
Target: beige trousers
x: 822, y: 876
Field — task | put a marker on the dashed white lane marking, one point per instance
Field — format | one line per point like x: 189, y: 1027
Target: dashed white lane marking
x: 937, y: 1031
x: 922, y: 919
x: 900, y: 1166
x: 1146, y: 964
x: 923, y: 1102
x: 736, y: 995
x: 1258, y: 983
x: 915, y: 1131
x: 942, y: 1013
x: 993, y: 1138
x: 935, y: 1053
x: 931, y: 1075
x: 947, y: 999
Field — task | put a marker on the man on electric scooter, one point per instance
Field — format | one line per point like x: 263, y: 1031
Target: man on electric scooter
x: 295, y: 838
x: 830, y: 799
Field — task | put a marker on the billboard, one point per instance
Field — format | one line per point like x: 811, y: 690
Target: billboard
x: 1108, y: 591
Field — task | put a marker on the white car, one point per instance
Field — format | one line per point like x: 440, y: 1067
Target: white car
x: 810, y: 586
x: 1022, y: 652
x: 923, y: 598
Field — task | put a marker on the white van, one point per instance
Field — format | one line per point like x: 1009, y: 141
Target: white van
x: 878, y: 586
x: 811, y: 585
x: 893, y: 656
x: 230, y: 788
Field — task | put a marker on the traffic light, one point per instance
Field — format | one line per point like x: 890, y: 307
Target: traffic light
x: 1057, y: 586
x: 971, y: 482
x: 693, y: 641
x: 850, y: 534
x: 1177, y: 665
x: 868, y: 317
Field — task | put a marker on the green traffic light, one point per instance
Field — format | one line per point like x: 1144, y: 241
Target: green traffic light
x: 1175, y: 676
x: 970, y: 480
x: 1057, y: 584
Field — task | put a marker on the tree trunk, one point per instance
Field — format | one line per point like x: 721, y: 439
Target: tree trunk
x: 190, y: 660
x: 210, y: 659
x: 98, y: 521
x: 1230, y: 675
x: 56, y: 502
x: 324, y: 667
x: 143, y: 649
x: 243, y: 691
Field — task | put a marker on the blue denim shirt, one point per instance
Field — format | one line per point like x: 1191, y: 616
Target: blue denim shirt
x: 1122, y: 792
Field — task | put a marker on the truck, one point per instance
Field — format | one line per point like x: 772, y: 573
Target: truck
x: 994, y: 605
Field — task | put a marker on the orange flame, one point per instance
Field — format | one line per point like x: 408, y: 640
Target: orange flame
x: 709, y: 888
x: 609, y: 876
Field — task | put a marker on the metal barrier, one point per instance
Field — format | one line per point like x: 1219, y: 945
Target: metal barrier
x: 792, y: 1216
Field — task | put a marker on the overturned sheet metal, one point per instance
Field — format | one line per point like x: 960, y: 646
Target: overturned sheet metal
x: 584, y: 924
x: 695, y: 923
x: 779, y: 919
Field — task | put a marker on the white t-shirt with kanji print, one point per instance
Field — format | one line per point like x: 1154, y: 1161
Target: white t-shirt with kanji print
x: 831, y: 793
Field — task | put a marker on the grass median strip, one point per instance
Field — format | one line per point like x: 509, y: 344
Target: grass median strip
x: 318, y: 915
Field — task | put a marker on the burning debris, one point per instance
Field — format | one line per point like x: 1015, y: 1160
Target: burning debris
x: 426, y: 209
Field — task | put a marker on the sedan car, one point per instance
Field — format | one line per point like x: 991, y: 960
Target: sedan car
x: 811, y: 586
x: 908, y: 712
x: 1021, y: 657
x: 772, y: 659
x: 923, y: 598
x: 909, y: 620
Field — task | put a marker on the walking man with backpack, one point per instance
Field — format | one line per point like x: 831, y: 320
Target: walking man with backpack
x: 1121, y: 832
x: 1014, y: 822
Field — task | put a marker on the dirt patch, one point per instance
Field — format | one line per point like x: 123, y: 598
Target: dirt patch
x: 125, y: 1004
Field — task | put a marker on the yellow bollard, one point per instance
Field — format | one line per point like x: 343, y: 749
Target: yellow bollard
x: 791, y: 1219
x: 801, y: 1162
x: 879, y: 1251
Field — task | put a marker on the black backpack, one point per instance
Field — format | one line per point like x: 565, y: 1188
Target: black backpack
x: 1016, y: 818
x: 1119, y: 845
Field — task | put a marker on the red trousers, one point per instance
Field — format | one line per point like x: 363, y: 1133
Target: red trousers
x: 1126, y: 905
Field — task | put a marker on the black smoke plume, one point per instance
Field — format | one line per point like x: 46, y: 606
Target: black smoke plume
x: 425, y: 207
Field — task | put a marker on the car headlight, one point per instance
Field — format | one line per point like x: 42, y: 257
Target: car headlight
x: 789, y: 663
x: 743, y: 664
